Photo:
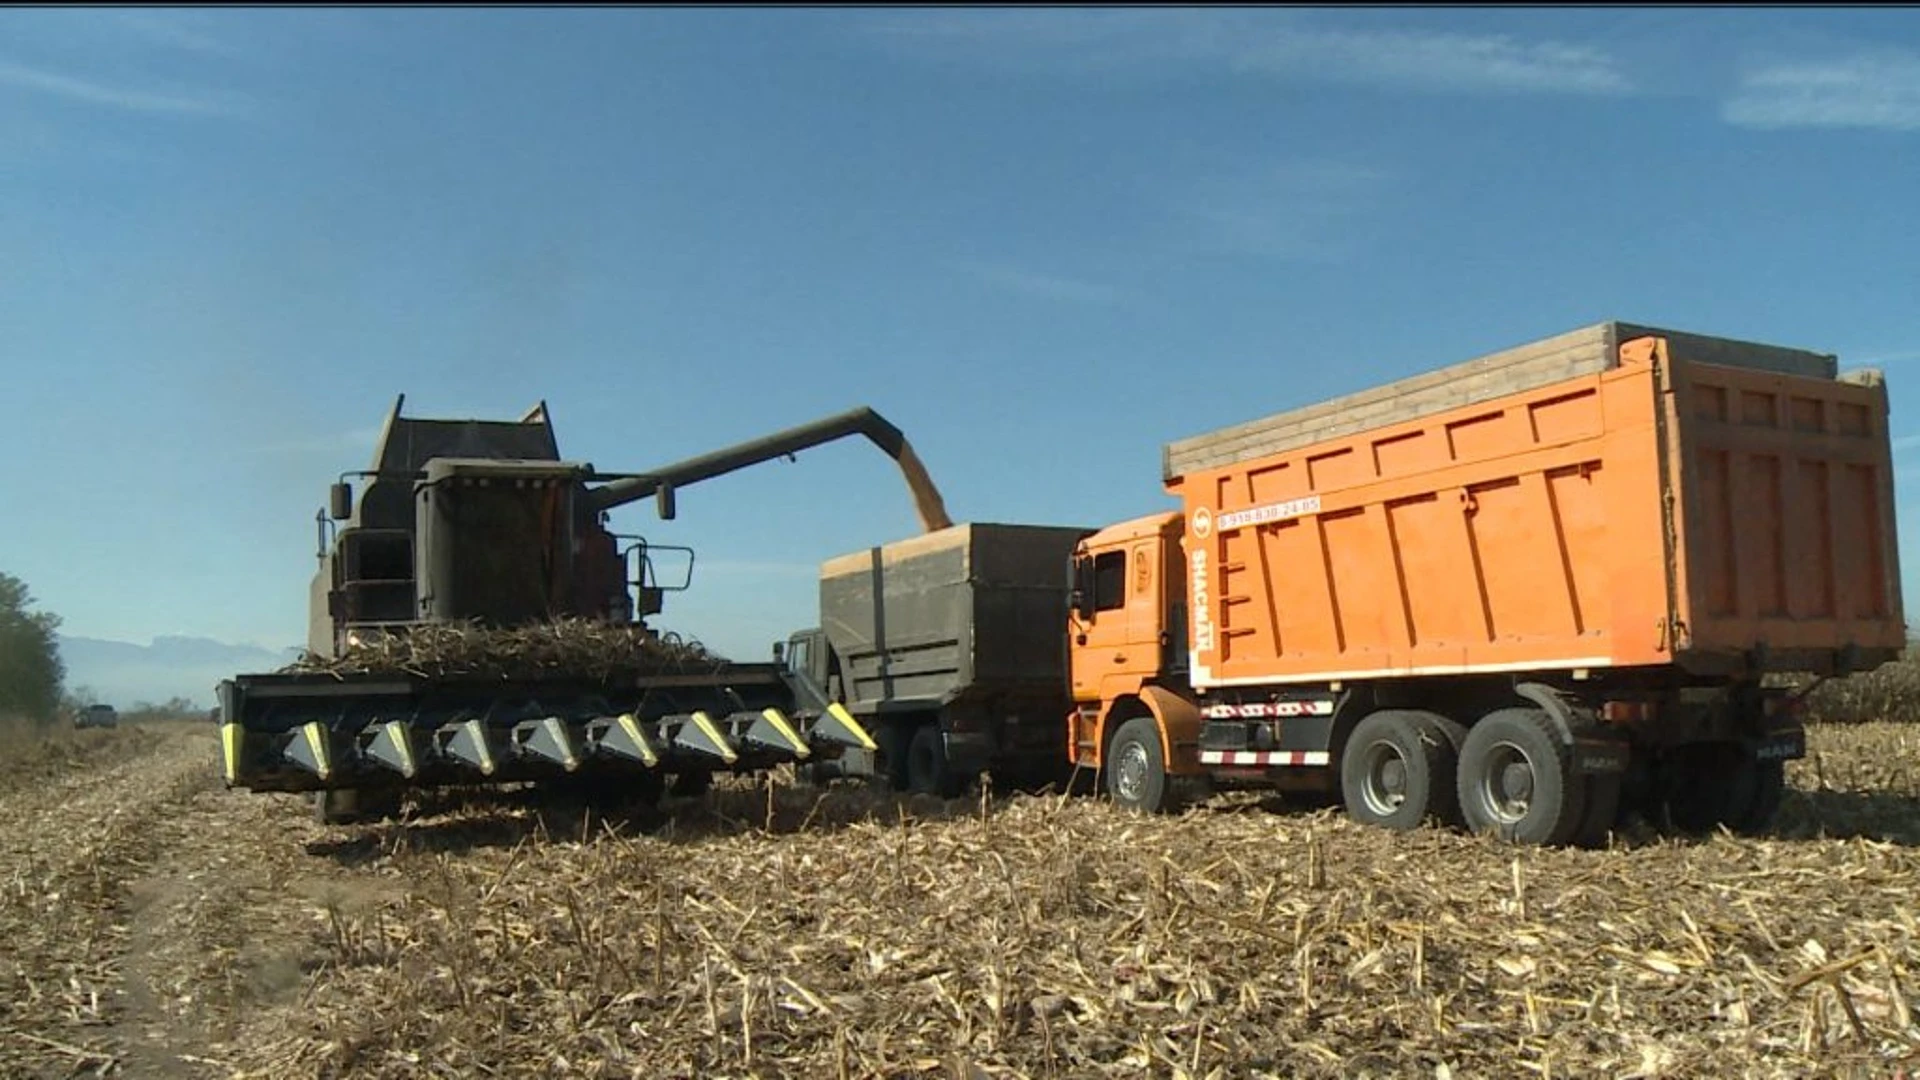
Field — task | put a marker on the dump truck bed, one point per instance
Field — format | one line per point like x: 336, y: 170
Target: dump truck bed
x: 1618, y: 496
x: 974, y: 610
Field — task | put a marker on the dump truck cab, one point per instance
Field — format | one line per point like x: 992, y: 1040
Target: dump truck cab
x: 1128, y: 653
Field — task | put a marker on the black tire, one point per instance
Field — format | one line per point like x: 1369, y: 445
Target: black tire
x: 1398, y: 770
x: 690, y: 785
x: 1135, y: 769
x: 1699, y: 783
x: 1710, y: 785
x: 928, y: 770
x: 1764, y: 786
x: 1516, y: 780
x: 1602, y: 813
x: 351, y: 806
x: 894, y: 740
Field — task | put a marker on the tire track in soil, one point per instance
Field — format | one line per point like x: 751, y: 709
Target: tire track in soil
x: 147, y: 911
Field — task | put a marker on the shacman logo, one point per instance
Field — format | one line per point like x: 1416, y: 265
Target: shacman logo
x: 1202, y: 522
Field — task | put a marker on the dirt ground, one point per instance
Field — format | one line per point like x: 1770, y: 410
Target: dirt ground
x: 153, y: 924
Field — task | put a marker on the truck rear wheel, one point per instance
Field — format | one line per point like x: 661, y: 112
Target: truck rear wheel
x: 1136, y: 770
x: 1709, y: 785
x: 1399, y: 768
x: 928, y: 770
x: 1516, y: 780
x: 1763, y: 785
x: 895, y: 739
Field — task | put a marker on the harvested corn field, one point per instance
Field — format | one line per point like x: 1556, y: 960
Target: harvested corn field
x: 157, y: 925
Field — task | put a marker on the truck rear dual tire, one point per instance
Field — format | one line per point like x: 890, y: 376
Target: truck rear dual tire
x: 1710, y: 785
x: 1398, y: 770
x: 1516, y: 780
x: 929, y: 771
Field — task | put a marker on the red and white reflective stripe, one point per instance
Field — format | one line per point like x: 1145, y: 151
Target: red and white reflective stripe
x: 1264, y: 709
x: 1263, y: 758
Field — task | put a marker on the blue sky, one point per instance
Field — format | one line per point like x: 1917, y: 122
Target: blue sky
x: 1042, y: 242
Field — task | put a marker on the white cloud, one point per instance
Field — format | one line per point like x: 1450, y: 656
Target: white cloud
x: 1868, y: 90
x: 1309, y: 211
x: 185, y: 30
x: 1261, y: 43
x: 1042, y: 286
x: 93, y: 93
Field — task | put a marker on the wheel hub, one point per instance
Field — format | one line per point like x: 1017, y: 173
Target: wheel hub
x: 1130, y: 772
x: 1507, y: 791
x: 1385, y: 788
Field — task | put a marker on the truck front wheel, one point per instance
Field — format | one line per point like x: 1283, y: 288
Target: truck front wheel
x: 1516, y: 780
x: 1136, y: 770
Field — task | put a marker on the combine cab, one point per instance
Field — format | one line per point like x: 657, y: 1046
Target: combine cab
x: 479, y: 528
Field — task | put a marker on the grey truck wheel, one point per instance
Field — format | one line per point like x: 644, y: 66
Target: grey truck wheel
x: 1135, y: 768
x: 1398, y: 770
x: 1516, y: 780
x: 928, y: 769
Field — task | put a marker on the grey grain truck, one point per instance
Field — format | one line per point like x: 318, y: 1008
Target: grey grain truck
x: 947, y: 647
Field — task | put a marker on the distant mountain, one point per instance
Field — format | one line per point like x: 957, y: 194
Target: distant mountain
x: 122, y: 674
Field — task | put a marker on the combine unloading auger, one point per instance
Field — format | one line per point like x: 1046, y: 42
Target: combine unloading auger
x: 478, y: 527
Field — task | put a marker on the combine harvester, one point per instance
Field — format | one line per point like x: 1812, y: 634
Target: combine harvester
x: 1528, y: 593
x: 480, y: 523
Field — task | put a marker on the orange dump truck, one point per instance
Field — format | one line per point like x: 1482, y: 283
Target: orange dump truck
x: 1526, y: 593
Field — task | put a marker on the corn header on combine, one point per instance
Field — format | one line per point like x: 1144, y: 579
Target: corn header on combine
x: 474, y: 620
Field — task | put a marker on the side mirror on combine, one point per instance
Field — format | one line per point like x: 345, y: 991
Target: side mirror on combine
x: 780, y: 652
x: 341, y: 501
x: 663, y: 501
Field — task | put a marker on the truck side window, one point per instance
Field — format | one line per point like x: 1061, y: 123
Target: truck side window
x: 1109, y: 580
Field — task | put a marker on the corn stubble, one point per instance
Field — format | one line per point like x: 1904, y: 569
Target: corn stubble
x: 776, y: 931
x: 857, y: 935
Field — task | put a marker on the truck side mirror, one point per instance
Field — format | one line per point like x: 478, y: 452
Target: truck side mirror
x: 341, y: 501
x: 780, y: 652
x: 1081, y: 598
x: 663, y: 502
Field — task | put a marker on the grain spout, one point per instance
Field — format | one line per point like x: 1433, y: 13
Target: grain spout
x: 926, y: 497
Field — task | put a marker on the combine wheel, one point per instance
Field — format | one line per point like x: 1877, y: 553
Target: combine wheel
x: 1136, y: 770
x: 928, y: 770
x: 690, y: 785
x: 352, y: 806
x: 1516, y: 780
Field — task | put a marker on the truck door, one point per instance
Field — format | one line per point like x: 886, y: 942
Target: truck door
x: 1118, y: 639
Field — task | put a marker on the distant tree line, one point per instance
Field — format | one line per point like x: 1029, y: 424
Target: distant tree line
x: 31, y: 671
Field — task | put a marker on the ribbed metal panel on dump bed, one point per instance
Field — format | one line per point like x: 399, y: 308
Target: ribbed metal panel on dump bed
x: 971, y: 610
x: 1585, y: 351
